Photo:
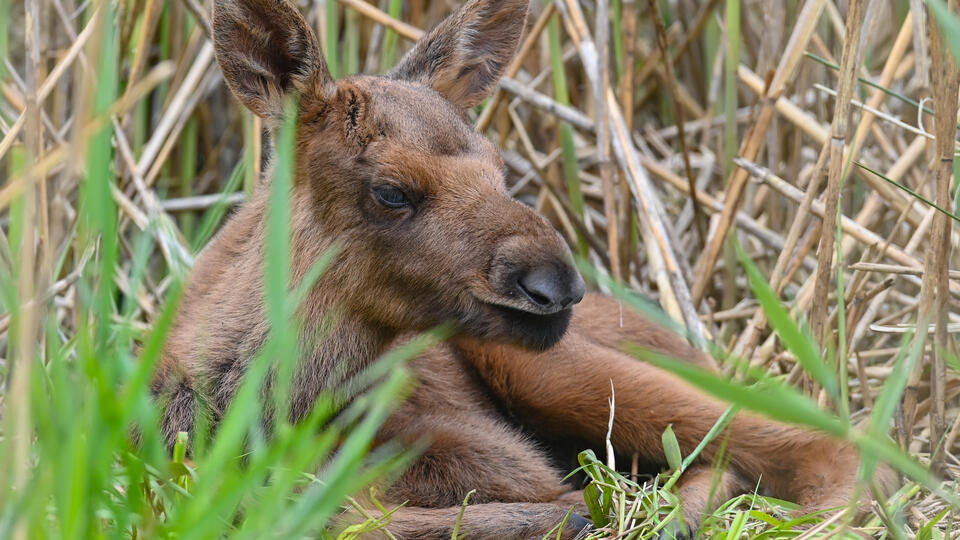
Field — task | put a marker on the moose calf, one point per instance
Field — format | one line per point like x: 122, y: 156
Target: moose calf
x: 388, y: 169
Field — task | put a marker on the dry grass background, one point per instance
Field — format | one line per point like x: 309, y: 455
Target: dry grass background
x: 773, y: 113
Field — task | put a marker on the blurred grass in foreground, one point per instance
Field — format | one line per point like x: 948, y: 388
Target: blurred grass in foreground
x: 71, y: 465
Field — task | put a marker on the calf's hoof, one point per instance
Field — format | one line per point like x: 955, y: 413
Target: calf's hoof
x: 675, y: 530
x: 577, y: 524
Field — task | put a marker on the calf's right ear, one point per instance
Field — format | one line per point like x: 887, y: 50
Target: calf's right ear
x: 266, y: 51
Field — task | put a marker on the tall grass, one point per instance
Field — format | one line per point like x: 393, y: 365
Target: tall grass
x: 571, y: 171
x: 85, y: 457
x: 627, y: 509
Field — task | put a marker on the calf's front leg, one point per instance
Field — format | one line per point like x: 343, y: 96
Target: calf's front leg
x: 563, y: 392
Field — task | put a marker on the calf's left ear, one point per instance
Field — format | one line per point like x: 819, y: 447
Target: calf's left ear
x: 465, y: 56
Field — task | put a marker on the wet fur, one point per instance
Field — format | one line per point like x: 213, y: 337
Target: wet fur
x: 500, y: 405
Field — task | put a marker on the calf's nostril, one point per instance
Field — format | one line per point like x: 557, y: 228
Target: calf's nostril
x: 550, y: 287
x: 533, y: 289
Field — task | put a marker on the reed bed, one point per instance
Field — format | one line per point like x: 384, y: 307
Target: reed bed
x: 774, y: 176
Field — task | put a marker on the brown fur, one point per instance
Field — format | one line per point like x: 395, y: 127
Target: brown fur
x: 516, y: 381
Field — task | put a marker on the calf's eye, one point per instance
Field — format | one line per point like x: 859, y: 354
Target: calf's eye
x: 390, y: 197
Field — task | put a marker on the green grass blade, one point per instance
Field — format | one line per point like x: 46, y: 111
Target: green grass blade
x: 388, y: 57
x: 571, y: 168
x: 800, y: 343
x: 717, y: 428
x: 4, y: 37
x: 949, y: 26
x: 463, y: 508
x: 214, y: 216
x: 912, y: 193
x: 351, y: 63
x: 616, y: 19
x: 249, y: 154
x: 769, y: 398
x: 332, y: 48
x: 671, y: 448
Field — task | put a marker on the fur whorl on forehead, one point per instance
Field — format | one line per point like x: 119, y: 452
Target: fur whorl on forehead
x: 465, y: 56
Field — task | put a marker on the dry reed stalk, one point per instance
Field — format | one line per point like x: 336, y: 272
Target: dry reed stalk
x: 744, y: 221
x: 408, y: 31
x: 749, y: 338
x: 934, y: 290
x: 698, y: 216
x: 802, y: 31
x: 627, y: 82
x: 56, y: 157
x: 814, y: 130
x: 877, y: 97
x: 921, y: 45
x: 685, y: 98
x: 175, y: 252
x: 849, y: 64
x: 49, y: 83
x: 655, y: 59
x: 547, y: 104
x: 629, y: 23
x: 895, y: 269
x: 855, y: 228
x: 789, y: 110
x: 628, y: 157
x: 850, y: 227
x: 601, y: 88
x: 874, y: 112
x: 148, y: 165
x: 149, y: 25
x: 200, y: 14
x: 28, y: 320
x: 200, y: 202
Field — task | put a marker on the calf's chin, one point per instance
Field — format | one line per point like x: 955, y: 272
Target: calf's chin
x: 520, y: 328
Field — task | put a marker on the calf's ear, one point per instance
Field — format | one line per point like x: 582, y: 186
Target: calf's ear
x: 465, y: 56
x: 267, y: 51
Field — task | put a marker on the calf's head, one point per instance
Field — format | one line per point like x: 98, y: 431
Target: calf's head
x: 388, y: 167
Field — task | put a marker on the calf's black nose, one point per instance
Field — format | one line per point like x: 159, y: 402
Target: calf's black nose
x: 552, y: 287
